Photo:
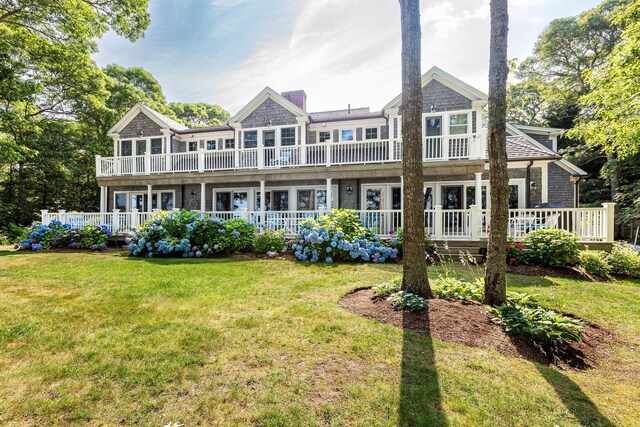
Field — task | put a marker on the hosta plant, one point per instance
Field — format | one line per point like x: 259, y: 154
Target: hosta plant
x: 454, y: 288
x: 402, y: 300
x: 384, y: 290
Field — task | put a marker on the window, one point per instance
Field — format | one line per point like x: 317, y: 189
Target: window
x: 269, y: 138
x: 371, y: 133
x: 428, y: 198
x: 166, y: 200
x: 458, y: 124
x: 125, y: 148
x: 192, y: 146
x: 471, y: 196
x: 229, y: 144
x: 324, y: 136
x: 306, y: 200
x: 141, y: 147
x: 396, y: 198
x: 251, y: 139
x: 395, y: 127
x: 451, y: 197
x: 223, y: 201
x: 211, y: 145
x: 346, y: 135
x: 288, y: 136
x: 240, y: 200
x: 121, y: 201
x: 280, y: 200
x: 513, y: 196
x: 267, y: 200
x: 321, y: 199
x: 156, y: 146
x: 374, y: 199
x: 433, y: 126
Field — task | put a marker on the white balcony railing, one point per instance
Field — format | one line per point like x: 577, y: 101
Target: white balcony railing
x: 441, y: 148
x: 589, y: 224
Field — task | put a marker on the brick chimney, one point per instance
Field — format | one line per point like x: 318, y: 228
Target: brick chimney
x: 297, y: 98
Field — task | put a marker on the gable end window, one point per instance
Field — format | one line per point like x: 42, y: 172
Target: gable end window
x: 371, y: 133
x: 251, y: 139
x: 288, y: 136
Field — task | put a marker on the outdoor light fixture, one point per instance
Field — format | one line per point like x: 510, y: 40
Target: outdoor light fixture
x: 434, y: 108
x: 269, y: 123
x: 140, y: 133
x: 193, y: 193
x: 349, y: 190
x: 533, y: 185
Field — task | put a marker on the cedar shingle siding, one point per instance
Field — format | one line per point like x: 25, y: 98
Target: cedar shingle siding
x: 141, y: 123
x: 269, y: 110
x: 542, y: 139
x: 560, y: 186
x: 445, y: 98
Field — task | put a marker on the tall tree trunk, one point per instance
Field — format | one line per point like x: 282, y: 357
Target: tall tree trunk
x: 495, y: 283
x: 414, y: 273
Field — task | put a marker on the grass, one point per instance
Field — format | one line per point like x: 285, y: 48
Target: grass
x: 104, y: 339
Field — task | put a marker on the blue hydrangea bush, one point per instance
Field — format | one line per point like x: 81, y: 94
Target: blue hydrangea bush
x: 340, y: 235
x: 184, y: 233
x: 57, y: 235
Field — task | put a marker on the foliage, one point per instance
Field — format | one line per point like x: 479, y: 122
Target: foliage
x: 625, y: 261
x: 12, y: 233
x: 516, y: 253
x: 552, y: 247
x: 386, y: 289
x: 269, y: 241
x: 522, y: 316
x: 59, y: 235
x: 402, y: 300
x: 454, y: 288
x: 339, y: 235
x: 184, y: 233
x: 595, y: 262
x: 199, y: 114
x: 396, y: 241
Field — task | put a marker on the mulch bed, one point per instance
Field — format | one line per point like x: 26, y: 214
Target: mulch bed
x: 469, y: 323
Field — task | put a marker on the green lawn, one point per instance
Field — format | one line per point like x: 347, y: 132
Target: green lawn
x: 104, y: 339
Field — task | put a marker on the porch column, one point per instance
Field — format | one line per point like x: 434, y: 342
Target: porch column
x: 103, y: 204
x: 478, y: 189
x: 329, y: 207
x: 149, y: 196
x: 203, y: 197
x: 545, y: 182
x: 402, y: 192
x: 263, y: 197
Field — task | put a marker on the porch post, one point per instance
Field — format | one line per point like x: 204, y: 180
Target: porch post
x: 479, y: 189
x: 545, y: 183
x: 102, y: 198
x: 149, y: 196
x: 44, y: 217
x: 609, y: 221
x: 115, y: 221
x: 402, y: 192
x: 98, y: 165
x: 329, y: 204
x: 203, y: 197
x: 135, y: 218
x: 62, y: 216
x: 263, y: 204
x: 474, y: 222
x: 437, y: 222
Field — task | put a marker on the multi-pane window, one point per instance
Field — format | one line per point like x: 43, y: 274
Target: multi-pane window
x: 251, y: 139
x: 458, y: 124
x: 229, y: 144
x: 306, y: 200
x: 433, y: 126
x: 192, y: 146
x: 269, y: 138
x: 324, y: 136
x: 371, y: 133
x: 125, y: 148
x: 288, y: 136
x: 346, y: 135
x: 156, y: 146
x: 211, y: 145
x: 514, y: 197
x: 395, y: 127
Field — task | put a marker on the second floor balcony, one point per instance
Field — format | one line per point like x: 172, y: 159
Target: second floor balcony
x: 435, y: 148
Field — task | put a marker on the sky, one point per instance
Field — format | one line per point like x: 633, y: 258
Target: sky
x: 339, y: 51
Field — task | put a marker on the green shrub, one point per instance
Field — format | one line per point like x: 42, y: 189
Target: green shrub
x: 522, y: 316
x: 624, y: 261
x: 407, y: 301
x: 454, y: 288
x: 595, y: 262
x: 552, y: 247
x: 385, y: 289
x: 516, y: 253
x: 59, y: 235
x: 269, y: 241
x: 12, y: 233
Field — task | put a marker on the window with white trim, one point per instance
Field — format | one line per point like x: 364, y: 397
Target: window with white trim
x: 324, y: 136
x: 212, y: 145
x: 192, y: 146
x: 156, y: 146
x: 458, y: 124
x: 346, y: 135
x: 229, y: 144
x: 287, y: 136
x: 126, y: 148
x: 371, y: 133
x: 250, y: 139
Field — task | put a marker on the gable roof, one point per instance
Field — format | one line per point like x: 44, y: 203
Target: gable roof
x: 265, y: 94
x: 518, y: 148
x: 162, y: 120
x: 563, y: 163
x: 540, y: 130
x: 454, y: 83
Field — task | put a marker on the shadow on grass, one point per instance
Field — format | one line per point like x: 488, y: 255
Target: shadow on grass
x: 420, y: 397
x: 578, y: 403
x: 522, y: 281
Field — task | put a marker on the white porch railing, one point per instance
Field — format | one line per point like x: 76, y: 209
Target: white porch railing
x: 589, y: 224
x: 439, y: 148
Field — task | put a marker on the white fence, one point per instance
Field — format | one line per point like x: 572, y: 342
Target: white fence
x: 589, y: 224
x: 325, y: 154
